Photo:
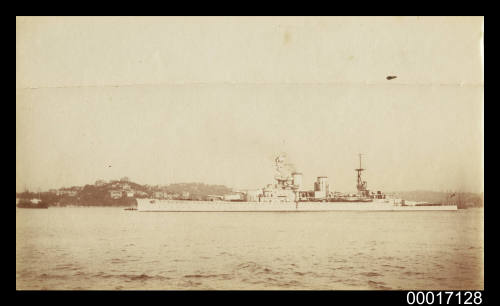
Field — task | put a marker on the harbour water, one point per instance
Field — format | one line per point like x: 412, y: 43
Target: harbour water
x: 109, y: 248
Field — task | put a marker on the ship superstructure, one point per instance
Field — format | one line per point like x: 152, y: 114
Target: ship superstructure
x: 287, y: 194
x: 361, y: 185
x: 289, y: 188
x: 287, y: 184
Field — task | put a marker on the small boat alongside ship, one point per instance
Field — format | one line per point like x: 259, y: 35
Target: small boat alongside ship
x: 286, y: 195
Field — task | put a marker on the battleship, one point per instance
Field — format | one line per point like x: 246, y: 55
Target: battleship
x: 287, y: 195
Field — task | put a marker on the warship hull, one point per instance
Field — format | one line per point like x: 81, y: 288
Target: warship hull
x: 156, y: 205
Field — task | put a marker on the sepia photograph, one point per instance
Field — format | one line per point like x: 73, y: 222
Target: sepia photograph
x: 250, y: 153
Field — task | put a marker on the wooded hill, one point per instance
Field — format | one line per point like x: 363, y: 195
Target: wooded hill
x: 93, y: 195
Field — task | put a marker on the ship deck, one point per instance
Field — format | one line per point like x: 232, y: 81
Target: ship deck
x: 151, y: 205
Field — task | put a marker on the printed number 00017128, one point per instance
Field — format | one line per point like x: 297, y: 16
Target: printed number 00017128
x: 444, y: 298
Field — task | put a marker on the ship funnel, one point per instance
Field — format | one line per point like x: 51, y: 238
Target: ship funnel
x: 297, y: 179
x: 321, y: 187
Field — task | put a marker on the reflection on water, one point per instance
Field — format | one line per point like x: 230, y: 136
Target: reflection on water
x: 110, y: 248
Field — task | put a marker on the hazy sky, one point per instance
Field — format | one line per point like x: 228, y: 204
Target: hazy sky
x: 214, y: 100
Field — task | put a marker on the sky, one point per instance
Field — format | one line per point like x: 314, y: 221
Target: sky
x: 214, y: 100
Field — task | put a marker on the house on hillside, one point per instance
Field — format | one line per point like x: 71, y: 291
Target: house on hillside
x: 62, y: 192
x: 115, y: 194
x: 159, y: 195
x: 141, y: 194
x: 99, y: 183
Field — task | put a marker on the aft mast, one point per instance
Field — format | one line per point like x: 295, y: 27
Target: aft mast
x: 361, y: 185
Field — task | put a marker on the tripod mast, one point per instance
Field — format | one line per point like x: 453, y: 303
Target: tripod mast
x: 361, y: 185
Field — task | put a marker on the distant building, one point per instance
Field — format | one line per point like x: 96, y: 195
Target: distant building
x: 126, y: 186
x: 185, y: 194
x: 214, y: 198
x: 159, y: 195
x: 115, y: 194
x: 53, y: 191
x: 100, y: 183
x: 130, y: 193
x: 71, y: 193
x: 175, y: 196
x: 125, y: 179
x: 233, y: 197
x: 141, y: 194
